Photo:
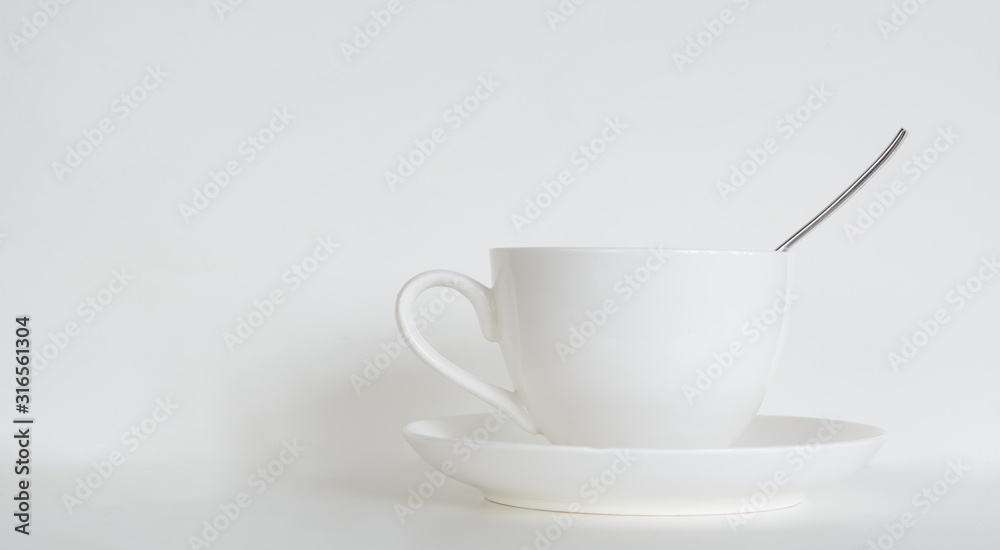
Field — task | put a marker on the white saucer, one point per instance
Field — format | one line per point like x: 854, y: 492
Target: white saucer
x: 773, y: 465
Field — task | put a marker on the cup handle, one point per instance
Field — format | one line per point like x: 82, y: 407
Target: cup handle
x: 508, y: 402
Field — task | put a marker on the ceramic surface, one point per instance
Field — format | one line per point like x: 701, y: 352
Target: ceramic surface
x: 623, y: 347
x: 773, y: 465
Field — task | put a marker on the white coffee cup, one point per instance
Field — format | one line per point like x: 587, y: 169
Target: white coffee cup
x: 622, y: 347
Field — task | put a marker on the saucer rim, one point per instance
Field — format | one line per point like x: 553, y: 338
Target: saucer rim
x: 612, y: 249
x: 881, y: 436
x: 791, y: 502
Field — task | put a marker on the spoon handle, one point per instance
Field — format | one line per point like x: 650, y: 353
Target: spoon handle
x: 847, y: 192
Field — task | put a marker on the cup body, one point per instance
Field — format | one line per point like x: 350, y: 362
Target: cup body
x: 634, y: 347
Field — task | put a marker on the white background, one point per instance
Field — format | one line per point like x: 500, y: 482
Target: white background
x: 162, y: 336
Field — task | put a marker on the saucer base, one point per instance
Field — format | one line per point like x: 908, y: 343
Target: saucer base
x: 773, y: 465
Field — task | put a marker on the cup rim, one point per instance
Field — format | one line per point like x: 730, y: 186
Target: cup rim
x: 633, y: 249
